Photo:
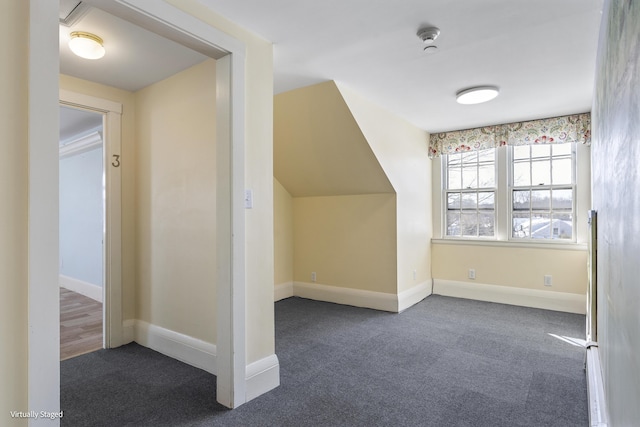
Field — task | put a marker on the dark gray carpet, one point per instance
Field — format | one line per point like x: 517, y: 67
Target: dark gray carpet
x: 443, y: 362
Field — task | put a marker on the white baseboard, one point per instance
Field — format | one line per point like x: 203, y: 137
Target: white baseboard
x: 262, y: 376
x: 361, y: 298
x: 346, y: 296
x: 81, y: 287
x: 595, y: 389
x: 185, y: 348
x: 282, y: 291
x: 413, y: 295
x: 548, y: 300
x: 128, y: 331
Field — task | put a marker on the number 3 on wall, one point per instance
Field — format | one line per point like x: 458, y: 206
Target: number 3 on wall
x: 116, y: 161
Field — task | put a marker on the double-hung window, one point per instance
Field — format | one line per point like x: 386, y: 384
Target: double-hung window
x: 517, y: 193
x: 542, y: 191
x: 470, y: 194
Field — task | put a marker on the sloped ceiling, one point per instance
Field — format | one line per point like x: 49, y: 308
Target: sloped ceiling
x: 318, y: 148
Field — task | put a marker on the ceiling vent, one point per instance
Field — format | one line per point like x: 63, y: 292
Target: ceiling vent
x: 71, y: 11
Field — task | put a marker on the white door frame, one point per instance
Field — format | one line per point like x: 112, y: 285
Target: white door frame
x: 112, y: 255
x: 43, y: 318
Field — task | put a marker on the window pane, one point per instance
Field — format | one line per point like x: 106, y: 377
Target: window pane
x: 562, y: 226
x: 470, y: 177
x: 455, y: 178
x: 540, y: 199
x: 562, y: 200
x: 469, y: 157
x: 541, y: 226
x: 453, y: 200
x: 541, y: 172
x: 540, y: 150
x: 453, y: 223
x: 521, y: 174
x: 521, y: 225
x: 562, y: 171
x: 486, y: 200
x: 486, y: 156
x: 521, y: 199
x: 486, y: 224
x: 561, y: 149
x: 487, y: 176
x: 469, y: 200
x: 469, y: 224
x: 521, y: 152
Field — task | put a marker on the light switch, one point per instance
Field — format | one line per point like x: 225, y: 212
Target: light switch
x: 248, y: 199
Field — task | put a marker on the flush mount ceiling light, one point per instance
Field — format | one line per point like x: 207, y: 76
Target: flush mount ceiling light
x: 86, y: 45
x: 477, y: 95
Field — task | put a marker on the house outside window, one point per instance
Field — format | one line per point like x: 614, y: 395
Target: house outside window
x: 522, y: 193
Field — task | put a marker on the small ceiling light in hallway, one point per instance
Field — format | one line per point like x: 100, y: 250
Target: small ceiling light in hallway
x: 86, y: 45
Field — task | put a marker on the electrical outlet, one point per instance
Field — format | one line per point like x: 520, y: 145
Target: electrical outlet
x: 313, y: 276
x: 414, y: 275
x: 547, y: 280
x: 472, y: 274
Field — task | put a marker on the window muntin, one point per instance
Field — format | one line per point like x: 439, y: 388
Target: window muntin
x: 470, y: 194
x: 543, y: 192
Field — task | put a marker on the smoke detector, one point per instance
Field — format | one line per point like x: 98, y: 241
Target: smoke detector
x: 428, y: 35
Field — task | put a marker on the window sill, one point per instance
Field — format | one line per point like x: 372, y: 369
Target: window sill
x: 513, y: 244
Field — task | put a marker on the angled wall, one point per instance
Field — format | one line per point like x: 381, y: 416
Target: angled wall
x: 401, y: 150
x: 360, y: 182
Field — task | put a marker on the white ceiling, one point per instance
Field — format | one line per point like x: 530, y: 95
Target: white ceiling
x: 541, y: 53
x: 134, y: 57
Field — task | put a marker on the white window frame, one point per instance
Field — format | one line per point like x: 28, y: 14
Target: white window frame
x: 572, y: 186
x: 495, y: 189
x: 582, y: 202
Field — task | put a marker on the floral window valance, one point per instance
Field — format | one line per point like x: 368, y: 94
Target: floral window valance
x: 556, y: 130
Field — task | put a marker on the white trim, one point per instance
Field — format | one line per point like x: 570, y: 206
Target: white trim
x: 262, y: 376
x: 80, y: 100
x: 81, y: 145
x: 43, y: 311
x: 112, y: 259
x: 128, y: 331
x: 548, y: 300
x: 282, y: 291
x: 347, y: 296
x: 81, y: 287
x: 414, y: 295
x: 185, y: 348
x: 595, y: 389
x: 511, y: 244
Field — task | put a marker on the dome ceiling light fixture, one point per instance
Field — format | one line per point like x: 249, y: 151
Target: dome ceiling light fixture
x: 86, y: 45
x: 477, y: 94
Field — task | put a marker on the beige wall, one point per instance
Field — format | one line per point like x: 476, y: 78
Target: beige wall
x: 175, y: 210
x: 13, y: 209
x: 128, y: 172
x: 616, y: 180
x: 512, y: 266
x: 283, y: 234
x: 401, y: 149
x: 258, y: 177
x: 319, y: 150
x: 349, y: 241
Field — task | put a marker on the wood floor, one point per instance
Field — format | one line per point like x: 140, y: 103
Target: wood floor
x: 80, y: 324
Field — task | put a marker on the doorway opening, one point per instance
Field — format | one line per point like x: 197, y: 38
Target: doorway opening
x: 82, y: 227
